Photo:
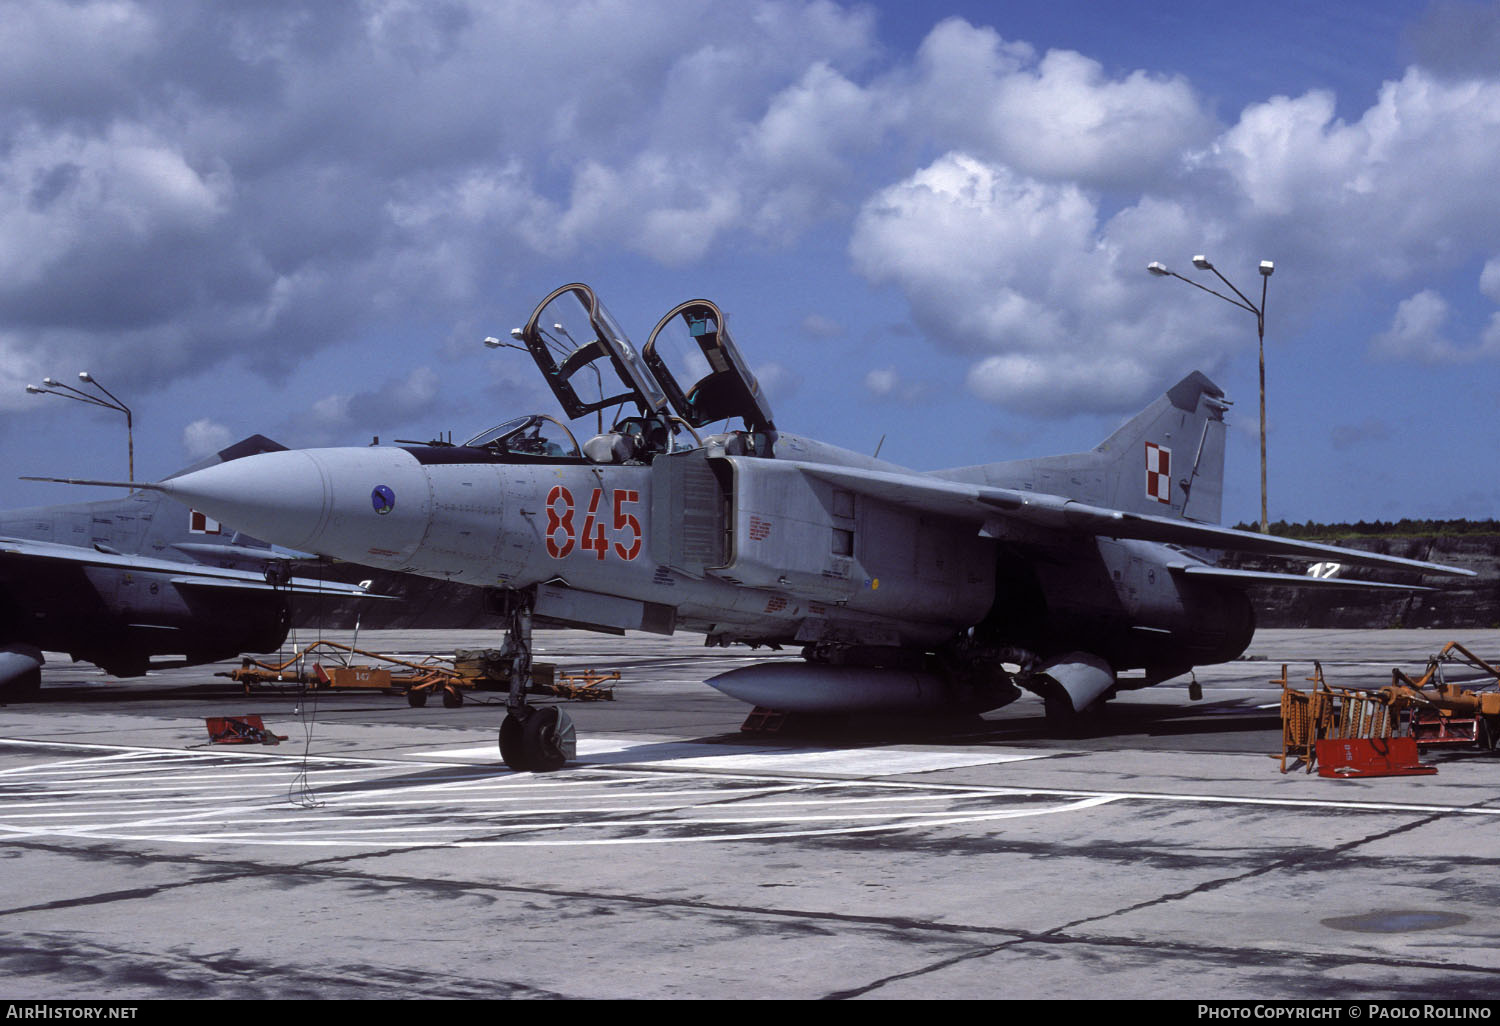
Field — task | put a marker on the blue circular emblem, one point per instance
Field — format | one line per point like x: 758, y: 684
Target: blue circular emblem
x: 383, y: 499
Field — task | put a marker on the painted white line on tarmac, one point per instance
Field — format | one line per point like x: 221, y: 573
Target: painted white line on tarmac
x: 861, y: 762
x: 724, y: 796
x: 403, y: 835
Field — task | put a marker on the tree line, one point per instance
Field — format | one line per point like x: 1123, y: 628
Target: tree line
x: 1404, y: 527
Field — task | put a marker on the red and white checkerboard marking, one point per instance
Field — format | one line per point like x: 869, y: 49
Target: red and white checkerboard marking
x: 198, y: 523
x: 1158, y: 473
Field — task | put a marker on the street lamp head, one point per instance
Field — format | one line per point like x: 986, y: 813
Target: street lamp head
x: 84, y: 376
x: 49, y: 382
x: 33, y: 390
x: 1267, y: 268
x: 1201, y: 262
x: 1158, y: 268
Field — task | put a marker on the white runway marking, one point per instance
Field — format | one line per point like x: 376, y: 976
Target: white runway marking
x: 242, y: 798
x: 859, y: 762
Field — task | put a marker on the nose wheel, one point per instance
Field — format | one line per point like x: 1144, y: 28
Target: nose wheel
x: 537, y: 740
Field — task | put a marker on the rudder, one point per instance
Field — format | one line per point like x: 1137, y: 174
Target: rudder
x: 1168, y: 460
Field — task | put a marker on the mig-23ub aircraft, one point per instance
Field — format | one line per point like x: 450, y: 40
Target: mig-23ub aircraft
x: 907, y: 591
x: 121, y: 582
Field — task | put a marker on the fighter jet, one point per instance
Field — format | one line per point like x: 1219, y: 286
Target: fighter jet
x: 1073, y: 576
x: 141, y: 582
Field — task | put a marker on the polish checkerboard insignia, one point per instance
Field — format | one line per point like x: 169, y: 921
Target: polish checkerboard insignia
x: 1158, y: 473
x: 198, y: 523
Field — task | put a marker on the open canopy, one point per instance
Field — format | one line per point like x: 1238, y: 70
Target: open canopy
x: 571, y: 334
x: 724, y: 387
x: 583, y: 352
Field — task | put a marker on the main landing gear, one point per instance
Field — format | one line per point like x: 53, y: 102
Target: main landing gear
x: 531, y: 738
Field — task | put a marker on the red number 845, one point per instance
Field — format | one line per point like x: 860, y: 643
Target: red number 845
x: 562, y: 535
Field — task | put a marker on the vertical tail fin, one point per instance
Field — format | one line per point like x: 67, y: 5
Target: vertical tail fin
x: 1168, y: 460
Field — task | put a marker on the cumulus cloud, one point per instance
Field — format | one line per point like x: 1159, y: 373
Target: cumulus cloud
x: 962, y: 226
x: 1058, y: 115
x: 666, y: 126
x: 68, y: 58
x: 1031, y: 382
x: 776, y: 382
x: 1031, y: 261
x: 1489, y: 279
x: 204, y: 436
x: 882, y: 381
x: 819, y: 326
x: 100, y: 219
x: 266, y: 179
x: 1052, y: 304
x: 1406, y: 187
x: 1418, y: 332
x: 889, y: 383
x: 182, y: 184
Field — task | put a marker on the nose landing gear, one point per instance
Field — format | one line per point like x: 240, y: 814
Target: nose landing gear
x: 531, y: 739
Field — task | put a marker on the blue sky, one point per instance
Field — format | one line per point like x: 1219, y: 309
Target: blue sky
x: 925, y: 222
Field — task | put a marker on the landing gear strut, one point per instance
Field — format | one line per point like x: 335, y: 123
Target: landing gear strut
x: 531, y: 739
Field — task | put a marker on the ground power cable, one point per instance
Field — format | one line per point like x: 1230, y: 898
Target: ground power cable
x: 300, y: 791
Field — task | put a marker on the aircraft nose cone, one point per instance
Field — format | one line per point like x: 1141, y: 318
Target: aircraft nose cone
x: 367, y: 505
x: 281, y: 497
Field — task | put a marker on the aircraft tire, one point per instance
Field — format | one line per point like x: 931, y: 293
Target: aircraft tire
x: 25, y: 688
x: 513, y: 743
x: 544, y: 743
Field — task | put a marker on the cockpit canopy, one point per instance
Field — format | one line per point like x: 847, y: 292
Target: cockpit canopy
x: 581, y: 350
x: 699, y: 339
x: 535, y: 437
x: 571, y: 332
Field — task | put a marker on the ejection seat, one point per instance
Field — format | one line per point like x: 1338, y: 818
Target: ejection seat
x: 613, y: 447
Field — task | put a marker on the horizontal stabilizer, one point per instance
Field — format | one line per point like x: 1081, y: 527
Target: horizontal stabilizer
x: 1285, y: 580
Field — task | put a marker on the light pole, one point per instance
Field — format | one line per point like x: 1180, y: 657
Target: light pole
x: 1159, y: 269
x: 78, y: 395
